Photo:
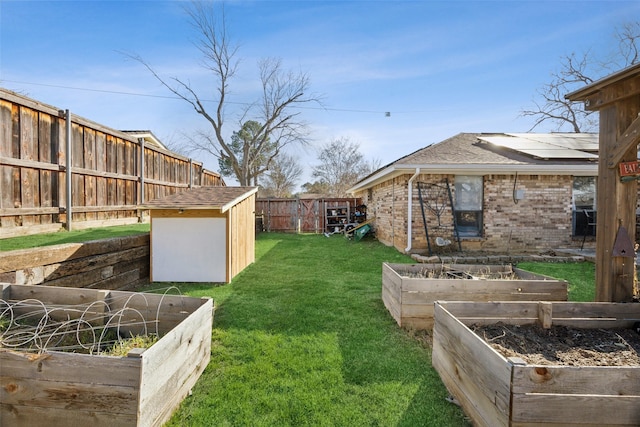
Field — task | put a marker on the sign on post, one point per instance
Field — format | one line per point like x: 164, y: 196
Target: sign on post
x: 629, y: 171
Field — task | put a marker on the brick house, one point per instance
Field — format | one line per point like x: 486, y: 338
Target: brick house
x: 490, y: 192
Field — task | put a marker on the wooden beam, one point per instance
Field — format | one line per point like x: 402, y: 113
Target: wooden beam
x: 103, y: 174
x: 630, y: 138
x: 21, y: 163
x: 30, y: 211
x: 613, y: 88
x: 616, y: 207
x: 613, y: 93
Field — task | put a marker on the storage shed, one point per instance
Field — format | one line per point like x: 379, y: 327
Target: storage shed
x: 204, y: 234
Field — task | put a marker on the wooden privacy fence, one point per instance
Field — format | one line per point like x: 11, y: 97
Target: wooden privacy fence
x: 112, y: 172
x: 297, y: 215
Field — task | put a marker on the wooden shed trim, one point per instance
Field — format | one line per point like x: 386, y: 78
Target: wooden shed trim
x: 222, y: 205
x: 238, y: 200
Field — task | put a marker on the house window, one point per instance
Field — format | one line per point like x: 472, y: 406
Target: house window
x: 584, y: 205
x: 468, y: 205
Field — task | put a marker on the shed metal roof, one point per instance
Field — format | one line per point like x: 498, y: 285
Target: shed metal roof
x: 222, y: 198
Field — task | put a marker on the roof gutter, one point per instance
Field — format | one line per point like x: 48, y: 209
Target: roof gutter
x: 410, y: 208
x: 590, y: 169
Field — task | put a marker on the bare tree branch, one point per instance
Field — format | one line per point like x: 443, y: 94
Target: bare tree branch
x: 276, y: 110
x: 283, y: 176
x: 576, y: 71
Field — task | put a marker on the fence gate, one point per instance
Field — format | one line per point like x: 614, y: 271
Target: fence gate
x: 310, y: 221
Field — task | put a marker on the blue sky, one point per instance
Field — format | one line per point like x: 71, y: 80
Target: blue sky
x: 439, y: 68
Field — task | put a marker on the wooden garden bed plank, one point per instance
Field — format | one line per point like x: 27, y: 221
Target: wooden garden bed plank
x: 583, y: 409
x: 176, y: 364
x: 68, y: 394
x: 141, y: 389
x: 413, y: 297
x: 577, y: 380
x: 53, y: 295
x: 59, y: 366
x: 553, y: 395
x: 467, y: 364
x: 33, y: 416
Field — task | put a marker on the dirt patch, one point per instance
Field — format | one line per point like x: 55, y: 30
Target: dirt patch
x: 560, y: 345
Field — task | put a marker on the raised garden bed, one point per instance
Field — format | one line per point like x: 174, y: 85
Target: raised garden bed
x: 495, y: 390
x: 143, y: 388
x: 409, y: 290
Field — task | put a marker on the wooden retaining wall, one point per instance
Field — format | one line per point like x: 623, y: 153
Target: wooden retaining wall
x: 111, y: 171
x: 116, y: 263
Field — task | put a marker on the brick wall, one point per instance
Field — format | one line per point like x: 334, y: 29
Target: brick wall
x: 387, y: 202
x: 541, y: 221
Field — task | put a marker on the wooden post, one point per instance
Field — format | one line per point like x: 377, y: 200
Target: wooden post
x: 141, y: 142
x: 617, y: 98
x: 545, y: 314
x: 69, y: 181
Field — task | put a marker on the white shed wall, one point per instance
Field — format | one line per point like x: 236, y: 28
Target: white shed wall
x: 188, y: 249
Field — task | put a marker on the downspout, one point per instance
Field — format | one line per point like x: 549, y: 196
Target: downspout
x: 410, y: 208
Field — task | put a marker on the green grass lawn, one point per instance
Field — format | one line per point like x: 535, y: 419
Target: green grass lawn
x: 74, y: 236
x: 301, y: 338
x: 580, y: 275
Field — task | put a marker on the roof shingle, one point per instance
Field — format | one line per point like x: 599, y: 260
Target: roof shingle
x: 203, y: 198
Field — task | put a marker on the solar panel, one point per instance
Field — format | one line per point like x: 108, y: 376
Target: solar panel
x: 538, y: 145
x: 576, y: 141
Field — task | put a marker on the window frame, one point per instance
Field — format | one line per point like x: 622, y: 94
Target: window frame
x: 584, y: 212
x: 471, y: 206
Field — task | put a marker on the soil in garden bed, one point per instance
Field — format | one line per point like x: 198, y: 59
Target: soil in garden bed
x: 561, y: 345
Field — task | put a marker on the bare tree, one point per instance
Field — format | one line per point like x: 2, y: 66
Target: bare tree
x: 576, y: 71
x: 628, y: 36
x: 282, y: 177
x: 341, y: 165
x: 553, y: 107
x: 276, y: 110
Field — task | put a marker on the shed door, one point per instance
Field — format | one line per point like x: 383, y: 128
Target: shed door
x: 189, y: 249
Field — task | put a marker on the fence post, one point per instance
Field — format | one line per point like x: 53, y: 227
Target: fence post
x: 191, y: 173
x: 141, y: 142
x: 268, y: 215
x: 68, y: 182
x: 298, y: 224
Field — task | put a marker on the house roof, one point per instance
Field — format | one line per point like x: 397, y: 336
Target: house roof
x: 148, y: 137
x: 222, y: 198
x: 491, y: 153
